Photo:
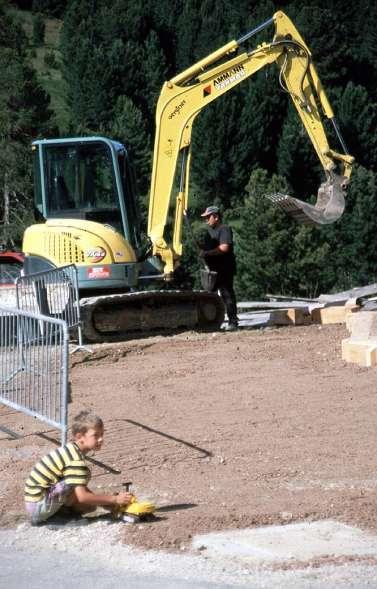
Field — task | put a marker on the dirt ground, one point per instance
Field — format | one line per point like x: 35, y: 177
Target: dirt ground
x: 226, y: 430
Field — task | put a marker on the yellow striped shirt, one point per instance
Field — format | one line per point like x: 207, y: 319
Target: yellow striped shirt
x: 66, y: 462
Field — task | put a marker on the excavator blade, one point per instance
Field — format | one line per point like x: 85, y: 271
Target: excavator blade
x: 328, y: 208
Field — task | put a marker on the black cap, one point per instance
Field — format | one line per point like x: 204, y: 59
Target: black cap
x: 212, y: 210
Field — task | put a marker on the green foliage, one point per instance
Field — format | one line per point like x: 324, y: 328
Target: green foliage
x: 110, y: 52
x: 353, y: 244
x: 357, y: 111
x: 54, y: 8
x: 39, y: 29
x: 275, y: 254
x: 129, y: 127
x: 155, y: 70
x: 296, y: 158
x: 262, y: 239
x: 318, y: 24
x: 50, y: 60
x: 24, y: 113
x: 211, y: 168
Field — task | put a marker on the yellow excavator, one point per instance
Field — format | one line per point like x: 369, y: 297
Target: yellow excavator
x: 84, y: 192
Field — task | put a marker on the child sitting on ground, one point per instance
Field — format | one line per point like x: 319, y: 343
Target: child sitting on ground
x: 60, y: 479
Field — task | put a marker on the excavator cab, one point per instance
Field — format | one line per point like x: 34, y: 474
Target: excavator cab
x: 89, y: 179
x: 84, y: 191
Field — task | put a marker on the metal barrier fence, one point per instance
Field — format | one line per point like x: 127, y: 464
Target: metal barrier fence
x: 53, y: 293
x: 34, y: 366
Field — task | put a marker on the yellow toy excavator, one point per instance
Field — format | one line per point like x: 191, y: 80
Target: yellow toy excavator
x: 84, y: 192
x: 135, y: 511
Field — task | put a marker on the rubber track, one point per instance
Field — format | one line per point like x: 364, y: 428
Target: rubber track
x: 156, y: 300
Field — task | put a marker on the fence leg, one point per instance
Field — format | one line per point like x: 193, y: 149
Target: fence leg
x: 81, y: 344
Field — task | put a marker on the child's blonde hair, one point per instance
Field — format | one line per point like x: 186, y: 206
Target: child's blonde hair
x: 84, y: 421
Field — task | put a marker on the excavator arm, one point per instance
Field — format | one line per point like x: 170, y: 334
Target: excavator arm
x: 184, y: 96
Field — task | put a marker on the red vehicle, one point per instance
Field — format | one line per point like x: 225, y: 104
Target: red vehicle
x: 11, y: 264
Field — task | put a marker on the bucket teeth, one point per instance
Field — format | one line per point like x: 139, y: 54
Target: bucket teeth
x: 295, y: 208
x: 328, y: 208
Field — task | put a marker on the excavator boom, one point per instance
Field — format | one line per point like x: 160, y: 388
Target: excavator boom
x: 185, y: 95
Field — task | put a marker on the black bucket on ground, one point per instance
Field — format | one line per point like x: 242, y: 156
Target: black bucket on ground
x: 208, y: 279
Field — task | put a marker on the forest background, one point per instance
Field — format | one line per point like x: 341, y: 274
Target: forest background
x: 86, y: 67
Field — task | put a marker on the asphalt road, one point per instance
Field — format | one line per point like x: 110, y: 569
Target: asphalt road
x: 53, y: 566
x: 18, y: 569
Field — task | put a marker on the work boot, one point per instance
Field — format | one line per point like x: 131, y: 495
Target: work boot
x: 231, y: 327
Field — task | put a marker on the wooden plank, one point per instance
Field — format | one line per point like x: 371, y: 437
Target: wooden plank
x: 271, y: 305
x: 273, y: 297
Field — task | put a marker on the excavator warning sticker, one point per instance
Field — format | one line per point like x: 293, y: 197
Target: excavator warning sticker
x: 99, y: 272
x: 228, y: 78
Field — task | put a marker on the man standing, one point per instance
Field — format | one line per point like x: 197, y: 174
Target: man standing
x: 219, y: 256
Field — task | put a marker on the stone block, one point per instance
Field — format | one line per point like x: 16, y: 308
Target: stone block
x: 364, y: 326
x: 361, y: 352
x: 290, y: 317
x: 329, y: 315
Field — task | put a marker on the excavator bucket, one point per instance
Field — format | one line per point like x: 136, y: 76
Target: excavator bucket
x: 328, y: 208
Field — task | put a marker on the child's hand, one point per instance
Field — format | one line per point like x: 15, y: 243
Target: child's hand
x: 123, y: 498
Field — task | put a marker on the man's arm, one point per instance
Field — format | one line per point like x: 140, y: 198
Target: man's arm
x: 223, y: 248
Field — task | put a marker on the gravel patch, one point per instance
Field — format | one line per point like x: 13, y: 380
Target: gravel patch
x: 43, y: 555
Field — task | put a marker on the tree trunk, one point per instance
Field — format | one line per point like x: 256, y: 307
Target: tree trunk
x: 6, y: 200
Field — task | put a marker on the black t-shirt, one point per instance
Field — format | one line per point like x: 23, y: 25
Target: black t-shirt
x: 215, y: 236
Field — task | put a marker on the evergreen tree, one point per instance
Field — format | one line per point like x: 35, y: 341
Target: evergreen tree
x: 352, y: 239
x: 113, y: 54
x: 237, y: 132
x: 24, y: 114
x: 330, y: 57
x: 155, y: 70
x: 357, y: 113
x: 53, y: 8
x: 129, y: 128
x: 296, y: 158
x: 39, y: 29
x: 263, y: 238
x: 212, y: 143
x: 277, y: 255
